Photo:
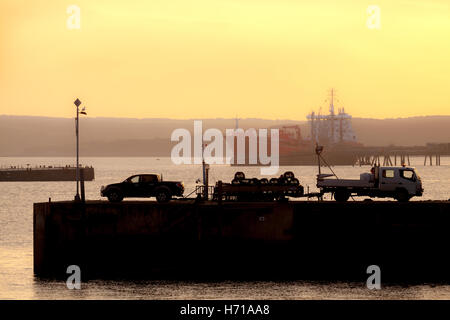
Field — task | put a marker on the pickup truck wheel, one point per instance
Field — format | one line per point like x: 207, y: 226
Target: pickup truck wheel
x: 115, y: 196
x: 402, y: 195
x: 163, y: 195
x: 341, y: 195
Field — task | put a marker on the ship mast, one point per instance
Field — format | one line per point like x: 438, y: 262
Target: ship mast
x: 313, y: 127
x: 332, y: 102
x: 332, y: 115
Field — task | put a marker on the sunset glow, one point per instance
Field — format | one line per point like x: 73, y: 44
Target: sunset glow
x: 222, y: 58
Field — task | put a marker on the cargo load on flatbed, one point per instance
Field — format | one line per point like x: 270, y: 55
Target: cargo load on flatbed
x: 259, y: 189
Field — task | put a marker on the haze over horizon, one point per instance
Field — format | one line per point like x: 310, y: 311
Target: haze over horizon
x: 216, y: 118
x: 221, y: 58
x: 44, y: 136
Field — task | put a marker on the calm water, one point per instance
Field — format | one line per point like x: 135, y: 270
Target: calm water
x: 16, y: 247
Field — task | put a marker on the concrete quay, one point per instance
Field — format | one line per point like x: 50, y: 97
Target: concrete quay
x: 185, y: 239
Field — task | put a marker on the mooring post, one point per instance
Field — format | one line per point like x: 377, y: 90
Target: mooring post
x: 206, y: 182
x: 219, y: 191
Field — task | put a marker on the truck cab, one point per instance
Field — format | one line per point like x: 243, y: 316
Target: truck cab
x: 141, y: 185
x: 402, y: 180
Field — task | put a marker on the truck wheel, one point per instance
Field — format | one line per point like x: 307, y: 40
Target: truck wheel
x: 402, y: 195
x: 239, y: 175
x: 115, y: 196
x: 289, y: 175
x: 163, y: 195
x: 341, y: 195
x: 273, y: 181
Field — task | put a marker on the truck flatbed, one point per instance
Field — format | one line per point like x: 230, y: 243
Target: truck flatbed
x: 345, y: 183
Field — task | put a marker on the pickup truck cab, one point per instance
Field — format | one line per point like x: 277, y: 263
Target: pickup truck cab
x: 400, y: 183
x: 143, y: 186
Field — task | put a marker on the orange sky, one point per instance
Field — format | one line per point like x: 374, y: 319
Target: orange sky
x: 273, y: 59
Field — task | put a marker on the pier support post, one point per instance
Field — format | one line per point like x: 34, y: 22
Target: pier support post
x: 219, y: 192
x: 83, y: 197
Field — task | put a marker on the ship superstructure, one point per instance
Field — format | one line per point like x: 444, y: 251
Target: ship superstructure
x: 332, y: 128
x: 334, y: 131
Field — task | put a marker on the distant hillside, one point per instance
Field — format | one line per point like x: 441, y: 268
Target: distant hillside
x: 42, y: 136
x: 403, y: 131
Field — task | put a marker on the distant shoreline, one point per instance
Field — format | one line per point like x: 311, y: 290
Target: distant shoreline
x: 22, y: 136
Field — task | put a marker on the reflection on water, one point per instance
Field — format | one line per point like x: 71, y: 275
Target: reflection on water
x: 16, y: 231
x: 233, y: 290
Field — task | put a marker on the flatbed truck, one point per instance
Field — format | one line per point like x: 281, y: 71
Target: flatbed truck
x: 401, y: 183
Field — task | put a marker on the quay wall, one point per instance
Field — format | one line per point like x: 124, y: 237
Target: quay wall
x: 268, y: 240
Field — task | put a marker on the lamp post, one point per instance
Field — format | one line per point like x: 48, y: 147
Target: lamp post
x: 77, y: 103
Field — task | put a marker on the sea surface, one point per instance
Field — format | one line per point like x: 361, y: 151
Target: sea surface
x: 16, y: 233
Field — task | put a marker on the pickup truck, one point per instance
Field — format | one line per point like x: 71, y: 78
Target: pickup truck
x: 143, y: 186
x: 400, y: 183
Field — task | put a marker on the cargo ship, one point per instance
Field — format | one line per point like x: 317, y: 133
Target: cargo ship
x: 45, y: 173
x: 333, y: 131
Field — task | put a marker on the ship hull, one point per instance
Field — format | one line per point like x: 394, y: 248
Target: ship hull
x: 333, y: 158
x: 46, y: 174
